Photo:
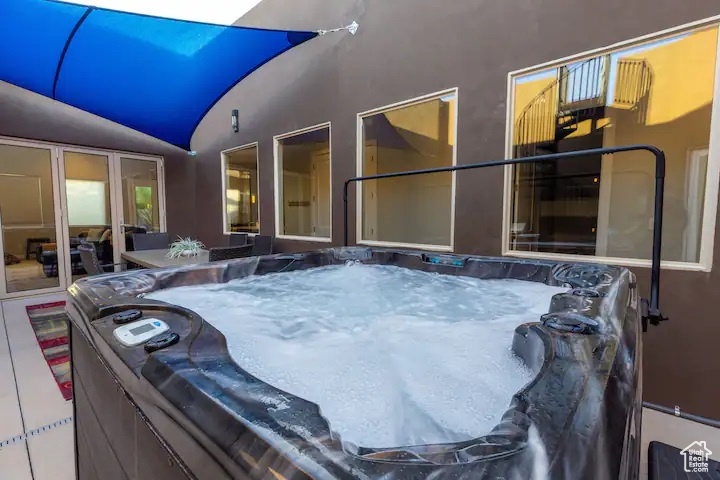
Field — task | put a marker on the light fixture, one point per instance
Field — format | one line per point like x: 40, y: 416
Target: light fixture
x: 234, y: 121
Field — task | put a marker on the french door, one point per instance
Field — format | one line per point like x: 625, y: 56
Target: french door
x: 106, y: 198
x: 30, y: 221
x: 140, y: 191
x: 54, y: 197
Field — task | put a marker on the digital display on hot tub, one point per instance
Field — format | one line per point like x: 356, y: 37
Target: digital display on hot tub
x: 142, y: 329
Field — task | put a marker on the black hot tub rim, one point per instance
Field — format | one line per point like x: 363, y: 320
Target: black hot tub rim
x: 187, y: 366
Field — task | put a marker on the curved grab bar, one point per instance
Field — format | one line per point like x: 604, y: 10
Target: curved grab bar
x: 651, y: 309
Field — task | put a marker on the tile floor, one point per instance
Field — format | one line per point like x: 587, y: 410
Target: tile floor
x: 30, y: 399
x: 28, y: 275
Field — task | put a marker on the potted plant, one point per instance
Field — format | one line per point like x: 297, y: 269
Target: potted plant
x: 185, y: 247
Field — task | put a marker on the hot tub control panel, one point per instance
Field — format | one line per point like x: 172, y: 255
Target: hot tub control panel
x: 447, y: 260
x: 140, y: 331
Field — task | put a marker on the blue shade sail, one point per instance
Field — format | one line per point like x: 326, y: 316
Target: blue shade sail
x: 159, y: 76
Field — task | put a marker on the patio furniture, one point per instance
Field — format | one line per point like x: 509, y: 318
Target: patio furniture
x: 89, y: 259
x: 150, y: 241
x: 158, y: 258
x: 90, y: 262
x: 227, y: 253
x: 237, y: 239
x: 46, y: 255
x: 666, y: 462
x: 100, y: 237
x: 262, y: 245
x: 31, y: 245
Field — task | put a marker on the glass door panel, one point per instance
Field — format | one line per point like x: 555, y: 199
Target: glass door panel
x: 140, y: 198
x: 28, y: 220
x: 88, y: 207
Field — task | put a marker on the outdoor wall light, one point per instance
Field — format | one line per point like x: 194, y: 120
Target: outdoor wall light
x: 234, y: 121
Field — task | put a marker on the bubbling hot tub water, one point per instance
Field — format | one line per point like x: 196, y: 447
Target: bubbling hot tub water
x: 392, y: 356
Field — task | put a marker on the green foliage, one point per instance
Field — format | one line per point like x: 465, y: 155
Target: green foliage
x: 185, y: 247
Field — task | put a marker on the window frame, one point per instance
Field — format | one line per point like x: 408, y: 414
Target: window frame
x: 278, y: 173
x: 710, y: 203
x: 223, y: 165
x: 359, y: 153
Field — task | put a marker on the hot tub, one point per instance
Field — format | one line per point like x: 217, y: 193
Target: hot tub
x: 190, y: 410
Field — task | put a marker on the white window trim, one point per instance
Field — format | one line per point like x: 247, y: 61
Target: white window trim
x: 359, y: 169
x: 223, y: 164
x: 713, y: 168
x: 277, y: 172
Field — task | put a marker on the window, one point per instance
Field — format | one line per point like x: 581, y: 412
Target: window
x: 144, y: 205
x: 414, y: 210
x: 240, y: 180
x: 659, y: 92
x: 141, y: 194
x: 302, y: 184
x: 86, y: 202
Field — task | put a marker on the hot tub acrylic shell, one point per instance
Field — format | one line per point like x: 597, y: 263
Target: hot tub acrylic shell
x: 190, y: 411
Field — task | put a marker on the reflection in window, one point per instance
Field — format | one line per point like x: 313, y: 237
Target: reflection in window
x: 659, y: 93
x: 241, y: 191
x: 87, y: 190
x: 144, y: 205
x: 414, y: 209
x: 140, y: 195
x: 303, y: 166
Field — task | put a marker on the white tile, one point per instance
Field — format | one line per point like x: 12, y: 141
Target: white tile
x: 52, y: 454
x: 10, y: 420
x: 675, y: 431
x: 14, y: 463
x: 40, y: 398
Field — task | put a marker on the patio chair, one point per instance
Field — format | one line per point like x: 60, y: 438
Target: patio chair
x: 90, y: 262
x: 227, y: 253
x: 237, y: 239
x: 262, y: 245
x: 150, y: 241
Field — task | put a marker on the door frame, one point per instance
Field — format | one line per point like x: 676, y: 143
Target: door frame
x: 114, y: 226
x: 57, y: 216
x: 315, y: 159
x: 116, y: 173
x: 694, y: 203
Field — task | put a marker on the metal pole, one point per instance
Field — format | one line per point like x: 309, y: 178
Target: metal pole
x: 345, y: 216
x: 654, y: 304
x: 654, y: 312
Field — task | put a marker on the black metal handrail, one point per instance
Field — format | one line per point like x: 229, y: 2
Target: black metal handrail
x: 652, y: 310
